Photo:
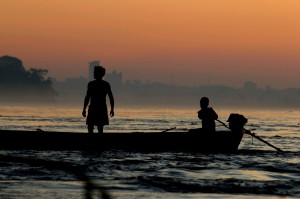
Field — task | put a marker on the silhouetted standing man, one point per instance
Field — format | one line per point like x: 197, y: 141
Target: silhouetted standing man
x: 207, y: 115
x: 96, y: 97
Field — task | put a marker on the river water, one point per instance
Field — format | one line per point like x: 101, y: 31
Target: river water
x: 256, y: 171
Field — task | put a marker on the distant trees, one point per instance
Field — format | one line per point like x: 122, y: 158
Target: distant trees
x: 20, y: 85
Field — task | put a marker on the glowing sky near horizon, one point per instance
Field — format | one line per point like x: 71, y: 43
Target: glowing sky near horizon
x: 184, y: 42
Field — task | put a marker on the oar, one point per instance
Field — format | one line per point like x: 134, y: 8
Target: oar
x: 255, y: 136
x: 223, y: 124
x: 168, y: 129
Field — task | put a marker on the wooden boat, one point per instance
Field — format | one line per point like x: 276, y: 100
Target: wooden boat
x: 222, y: 141
x: 196, y: 140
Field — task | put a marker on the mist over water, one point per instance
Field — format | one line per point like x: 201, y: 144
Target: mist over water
x: 256, y: 171
x: 141, y: 118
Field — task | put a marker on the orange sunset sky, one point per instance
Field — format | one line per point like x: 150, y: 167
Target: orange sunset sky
x: 189, y: 42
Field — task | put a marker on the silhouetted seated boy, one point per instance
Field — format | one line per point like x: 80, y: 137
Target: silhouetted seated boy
x: 207, y: 115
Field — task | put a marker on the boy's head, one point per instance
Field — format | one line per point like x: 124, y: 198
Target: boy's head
x: 99, y: 72
x: 204, y: 102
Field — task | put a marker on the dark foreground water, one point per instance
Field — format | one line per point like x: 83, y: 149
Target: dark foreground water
x: 256, y: 171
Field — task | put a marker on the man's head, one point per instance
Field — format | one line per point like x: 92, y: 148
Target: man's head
x: 99, y: 72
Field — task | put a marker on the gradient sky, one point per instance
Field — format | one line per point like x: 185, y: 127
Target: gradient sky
x: 185, y: 42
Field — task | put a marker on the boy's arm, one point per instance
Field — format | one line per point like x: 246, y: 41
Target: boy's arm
x: 214, y: 114
x: 200, y: 115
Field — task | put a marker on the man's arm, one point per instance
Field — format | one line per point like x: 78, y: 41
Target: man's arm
x: 112, y: 102
x: 86, y: 102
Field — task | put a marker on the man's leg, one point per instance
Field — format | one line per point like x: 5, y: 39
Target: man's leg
x: 91, y: 128
x: 100, y: 129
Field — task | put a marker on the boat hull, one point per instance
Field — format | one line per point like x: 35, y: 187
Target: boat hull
x: 222, y: 141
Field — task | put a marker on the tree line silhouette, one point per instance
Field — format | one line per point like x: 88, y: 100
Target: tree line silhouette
x: 20, y: 85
